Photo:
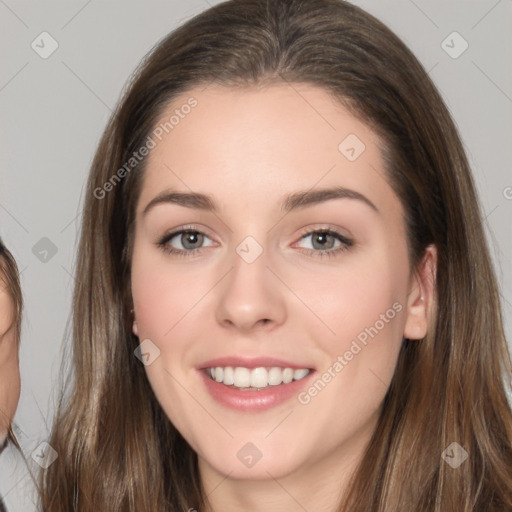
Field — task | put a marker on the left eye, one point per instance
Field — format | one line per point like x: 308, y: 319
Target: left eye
x: 324, y: 240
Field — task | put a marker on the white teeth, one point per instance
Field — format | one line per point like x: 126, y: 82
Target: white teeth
x: 241, y: 377
x: 287, y: 375
x: 299, y: 374
x: 259, y: 378
x: 229, y: 376
x: 275, y: 376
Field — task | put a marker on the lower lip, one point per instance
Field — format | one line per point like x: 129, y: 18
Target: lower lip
x: 253, y: 401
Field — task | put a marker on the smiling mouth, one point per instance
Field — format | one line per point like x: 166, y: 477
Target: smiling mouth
x: 255, y: 379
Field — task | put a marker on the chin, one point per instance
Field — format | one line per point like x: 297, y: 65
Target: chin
x: 252, y: 461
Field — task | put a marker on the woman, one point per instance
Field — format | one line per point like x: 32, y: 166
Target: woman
x: 251, y: 372
x: 10, y: 328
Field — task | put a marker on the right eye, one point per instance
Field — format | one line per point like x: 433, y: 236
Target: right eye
x: 186, y: 238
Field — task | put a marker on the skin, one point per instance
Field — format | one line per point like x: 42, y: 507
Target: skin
x: 9, y: 363
x: 248, y: 148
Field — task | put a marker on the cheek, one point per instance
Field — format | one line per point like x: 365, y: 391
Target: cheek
x: 365, y: 310
x: 351, y: 296
x: 162, y: 294
x: 164, y: 299
x: 361, y: 306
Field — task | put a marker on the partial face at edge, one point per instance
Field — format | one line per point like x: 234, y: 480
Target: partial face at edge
x: 251, y: 281
x: 9, y: 365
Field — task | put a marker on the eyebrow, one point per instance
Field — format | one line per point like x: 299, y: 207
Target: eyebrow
x: 295, y: 201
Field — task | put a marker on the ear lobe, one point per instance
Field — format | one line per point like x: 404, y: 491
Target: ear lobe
x: 421, y: 296
x: 135, y: 328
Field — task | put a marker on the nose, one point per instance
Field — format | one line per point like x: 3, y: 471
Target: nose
x: 251, y: 296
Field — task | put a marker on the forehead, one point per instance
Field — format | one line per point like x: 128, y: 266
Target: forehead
x: 264, y: 140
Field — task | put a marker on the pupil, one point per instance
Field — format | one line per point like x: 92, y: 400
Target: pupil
x: 321, y: 239
x: 190, y: 236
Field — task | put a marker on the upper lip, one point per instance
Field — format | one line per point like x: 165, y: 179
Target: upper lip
x: 252, y: 362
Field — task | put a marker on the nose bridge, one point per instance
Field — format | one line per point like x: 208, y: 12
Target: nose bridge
x: 250, y: 293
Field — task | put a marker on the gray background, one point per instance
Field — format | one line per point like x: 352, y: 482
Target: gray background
x: 54, y: 110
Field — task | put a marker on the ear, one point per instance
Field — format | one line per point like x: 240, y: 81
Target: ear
x: 421, y: 295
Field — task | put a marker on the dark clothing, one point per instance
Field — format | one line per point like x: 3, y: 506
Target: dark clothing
x: 2, y: 448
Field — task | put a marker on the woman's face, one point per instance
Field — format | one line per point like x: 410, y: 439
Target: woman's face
x: 259, y: 291
x: 9, y: 366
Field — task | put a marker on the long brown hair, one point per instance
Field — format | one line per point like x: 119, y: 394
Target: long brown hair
x: 117, y: 449
x: 10, y: 283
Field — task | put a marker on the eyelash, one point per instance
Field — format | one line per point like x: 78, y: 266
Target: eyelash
x: 346, y: 243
